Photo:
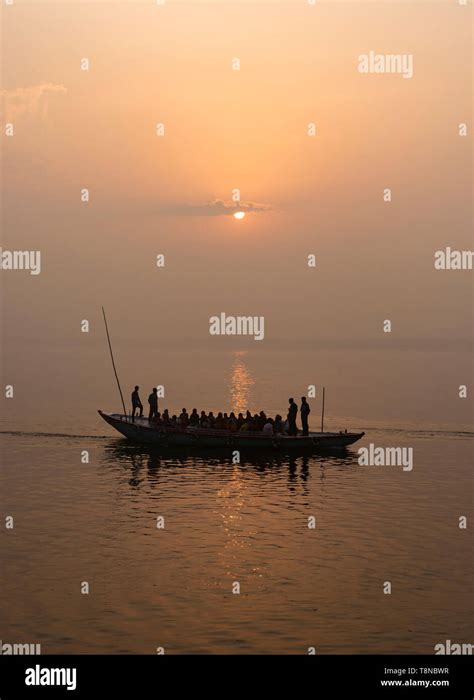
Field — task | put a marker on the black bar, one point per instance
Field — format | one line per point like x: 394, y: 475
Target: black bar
x: 322, y: 676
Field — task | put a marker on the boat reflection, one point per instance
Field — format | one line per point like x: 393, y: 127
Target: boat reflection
x: 153, y: 463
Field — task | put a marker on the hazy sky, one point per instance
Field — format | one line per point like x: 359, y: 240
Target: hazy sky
x: 245, y: 129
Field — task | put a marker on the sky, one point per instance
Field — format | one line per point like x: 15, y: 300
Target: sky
x: 244, y: 129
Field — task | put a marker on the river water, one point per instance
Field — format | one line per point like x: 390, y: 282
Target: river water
x: 86, y: 504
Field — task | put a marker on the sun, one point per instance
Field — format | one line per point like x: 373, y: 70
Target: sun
x: 239, y: 215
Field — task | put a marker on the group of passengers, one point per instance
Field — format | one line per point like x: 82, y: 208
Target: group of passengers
x: 258, y: 422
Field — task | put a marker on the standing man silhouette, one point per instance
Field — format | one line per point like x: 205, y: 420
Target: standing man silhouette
x: 292, y: 411
x: 304, y: 411
x: 153, y: 401
x: 136, y: 403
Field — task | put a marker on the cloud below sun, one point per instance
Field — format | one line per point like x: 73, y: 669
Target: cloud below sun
x: 216, y: 207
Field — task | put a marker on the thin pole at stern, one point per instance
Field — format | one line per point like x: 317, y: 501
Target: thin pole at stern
x: 113, y: 364
x: 322, y: 413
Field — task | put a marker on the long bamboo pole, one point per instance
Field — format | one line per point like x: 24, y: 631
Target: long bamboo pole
x: 113, y: 364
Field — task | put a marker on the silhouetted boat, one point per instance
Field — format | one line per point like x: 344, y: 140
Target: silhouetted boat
x: 141, y: 431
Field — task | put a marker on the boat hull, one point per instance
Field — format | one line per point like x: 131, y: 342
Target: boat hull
x: 144, y: 433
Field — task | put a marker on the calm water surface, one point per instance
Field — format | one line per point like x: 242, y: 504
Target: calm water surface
x: 95, y: 521
x: 172, y: 587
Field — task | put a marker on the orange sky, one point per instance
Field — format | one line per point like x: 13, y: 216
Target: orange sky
x: 244, y: 129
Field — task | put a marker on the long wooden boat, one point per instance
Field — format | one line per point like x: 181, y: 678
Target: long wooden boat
x: 141, y: 431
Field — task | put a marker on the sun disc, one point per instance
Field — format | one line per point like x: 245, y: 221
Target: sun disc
x: 239, y: 215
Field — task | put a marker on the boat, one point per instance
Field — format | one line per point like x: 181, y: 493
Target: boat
x: 142, y: 431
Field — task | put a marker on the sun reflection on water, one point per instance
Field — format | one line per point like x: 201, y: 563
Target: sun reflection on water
x: 241, y: 382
